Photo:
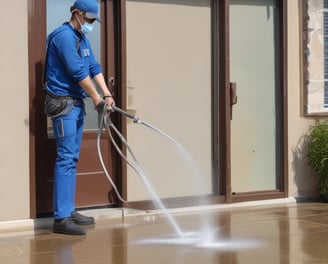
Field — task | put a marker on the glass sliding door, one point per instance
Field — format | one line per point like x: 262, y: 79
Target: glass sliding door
x: 253, y: 67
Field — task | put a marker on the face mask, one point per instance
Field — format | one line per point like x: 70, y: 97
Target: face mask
x: 86, y: 28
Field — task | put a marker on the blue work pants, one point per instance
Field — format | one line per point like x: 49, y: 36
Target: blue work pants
x: 68, y: 131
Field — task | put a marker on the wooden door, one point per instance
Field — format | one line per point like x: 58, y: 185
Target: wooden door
x: 93, y: 188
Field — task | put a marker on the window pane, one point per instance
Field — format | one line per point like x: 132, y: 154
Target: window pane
x: 253, y: 67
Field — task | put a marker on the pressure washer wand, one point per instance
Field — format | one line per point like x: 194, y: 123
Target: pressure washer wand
x: 135, y: 119
x: 139, y: 121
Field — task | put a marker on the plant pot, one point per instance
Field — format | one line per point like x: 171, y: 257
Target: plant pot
x: 324, y: 197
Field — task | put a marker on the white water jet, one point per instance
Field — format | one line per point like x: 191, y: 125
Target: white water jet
x: 207, y: 228
x: 158, y: 201
x: 204, y: 239
x: 139, y: 170
x: 197, y: 176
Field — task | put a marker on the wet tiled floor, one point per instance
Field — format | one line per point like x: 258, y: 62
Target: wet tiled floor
x: 288, y: 233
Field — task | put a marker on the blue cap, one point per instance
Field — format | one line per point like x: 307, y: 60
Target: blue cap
x: 91, y: 8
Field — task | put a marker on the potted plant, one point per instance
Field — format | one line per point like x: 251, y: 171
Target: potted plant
x: 317, y: 155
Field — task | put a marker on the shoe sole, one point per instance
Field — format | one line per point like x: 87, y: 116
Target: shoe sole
x: 69, y: 233
x: 83, y: 223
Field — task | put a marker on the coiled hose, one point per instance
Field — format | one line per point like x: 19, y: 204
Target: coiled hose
x: 104, y: 113
x: 107, y: 124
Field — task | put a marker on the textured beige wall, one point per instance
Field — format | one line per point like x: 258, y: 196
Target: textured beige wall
x: 301, y: 179
x: 14, y: 140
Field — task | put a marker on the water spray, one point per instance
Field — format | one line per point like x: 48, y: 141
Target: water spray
x: 198, y: 240
x: 107, y: 124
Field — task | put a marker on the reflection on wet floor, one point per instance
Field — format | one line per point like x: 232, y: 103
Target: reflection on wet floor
x: 289, y: 233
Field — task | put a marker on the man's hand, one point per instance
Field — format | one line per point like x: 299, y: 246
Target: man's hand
x: 100, y: 105
x: 109, y: 102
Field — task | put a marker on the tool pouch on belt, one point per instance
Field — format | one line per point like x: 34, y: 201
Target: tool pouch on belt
x: 57, y: 105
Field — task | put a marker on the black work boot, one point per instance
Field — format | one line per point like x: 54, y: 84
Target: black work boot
x: 82, y: 219
x: 68, y: 227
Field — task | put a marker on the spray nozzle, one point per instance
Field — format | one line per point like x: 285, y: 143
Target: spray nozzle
x: 135, y: 119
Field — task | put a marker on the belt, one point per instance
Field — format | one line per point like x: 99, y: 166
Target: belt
x: 66, y: 97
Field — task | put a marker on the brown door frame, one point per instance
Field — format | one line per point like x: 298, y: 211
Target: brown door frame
x: 221, y: 116
x: 225, y: 109
x: 222, y: 129
x: 36, y: 44
x: 36, y: 15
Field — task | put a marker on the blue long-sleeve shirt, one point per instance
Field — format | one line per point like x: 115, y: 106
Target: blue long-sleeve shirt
x: 70, y: 59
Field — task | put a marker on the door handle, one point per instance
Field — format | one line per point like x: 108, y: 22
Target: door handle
x: 233, y: 96
x: 111, y: 81
x: 233, y: 93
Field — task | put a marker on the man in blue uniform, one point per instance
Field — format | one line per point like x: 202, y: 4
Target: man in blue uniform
x: 70, y: 67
